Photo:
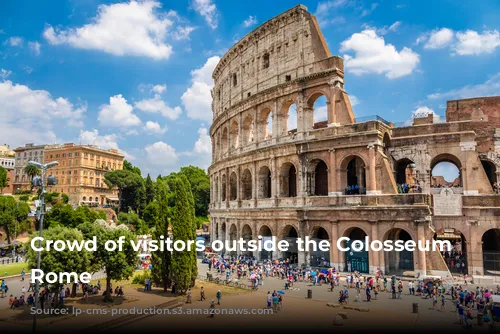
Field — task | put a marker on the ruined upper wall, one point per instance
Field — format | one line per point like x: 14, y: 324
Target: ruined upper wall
x: 475, y: 109
x: 287, y: 47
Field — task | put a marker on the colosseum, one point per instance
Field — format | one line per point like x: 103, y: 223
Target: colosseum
x: 278, y: 171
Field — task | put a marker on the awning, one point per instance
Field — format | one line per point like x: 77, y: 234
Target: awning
x: 448, y: 236
x: 113, y: 199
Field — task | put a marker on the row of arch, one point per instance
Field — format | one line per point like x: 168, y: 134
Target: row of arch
x: 395, y: 262
x: 259, y: 126
x: 288, y: 180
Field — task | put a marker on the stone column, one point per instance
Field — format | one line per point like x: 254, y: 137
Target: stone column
x: 228, y: 188
x: 422, y: 266
x: 238, y: 185
x: 274, y: 178
x: 475, y: 249
x: 332, y: 174
x: 372, y: 179
x: 334, y: 252
x: 255, y: 185
x: 275, y: 127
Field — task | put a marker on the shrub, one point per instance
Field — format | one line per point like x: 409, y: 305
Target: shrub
x: 140, y: 277
x: 24, y: 198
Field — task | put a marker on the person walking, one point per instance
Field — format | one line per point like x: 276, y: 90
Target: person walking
x: 368, y: 293
x: 23, y: 273
x: 202, y: 294
x: 212, y: 308
x: 189, y: 296
x: 219, y: 296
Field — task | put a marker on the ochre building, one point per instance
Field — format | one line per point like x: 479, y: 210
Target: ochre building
x: 277, y: 171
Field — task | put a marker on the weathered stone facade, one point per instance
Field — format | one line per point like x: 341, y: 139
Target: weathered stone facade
x: 274, y: 181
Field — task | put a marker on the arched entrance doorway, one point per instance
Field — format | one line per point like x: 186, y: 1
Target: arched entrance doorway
x: 356, y: 260
x: 320, y: 258
x: 246, y: 185
x: 266, y: 234
x: 398, y: 262
x: 491, y: 252
x: 290, y: 234
x: 288, y: 180
x: 320, y: 179
x: 355, y: 176
x: 490, y: 170
x: 456, y: 258
x: 233, y: 237
x: 406, y: 175
x: 445, y: 172
x: 246, y: 234
x: 264, y: 182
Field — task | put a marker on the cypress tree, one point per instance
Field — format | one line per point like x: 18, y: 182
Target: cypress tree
x: 161, y: 261
x: 184, y: 269
x: 150, y: 191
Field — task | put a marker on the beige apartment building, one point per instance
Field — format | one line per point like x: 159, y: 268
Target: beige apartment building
x: 22, y: 155
x: 80, y: 172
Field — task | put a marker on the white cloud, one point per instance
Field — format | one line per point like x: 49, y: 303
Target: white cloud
x: 473, y: 43
x: 197, y: 99
x: 161, y: 154
x: 35, y: 48
x: 182, y: 33
x: 354, y: 100
x: 159, y: 89
x: 208, y: 10
x: 395, y: 26
x: 4, y: 74
x: 15, y: 41
x: 19, y: 102
x: 102, y: 141
x: 250, y: 21
x: 204, y: 143
x: 368, y: 11
x: 424, y: 111
x: 155, y: 128
x: 489, y: 88
x: 131, y: 28
x: 323, y: 12
x: 373, y: 55
x: 118, y: 113
x: 157, y: 105
x: 28, y: 69
x: 439, y: 38
x: 384, y: 30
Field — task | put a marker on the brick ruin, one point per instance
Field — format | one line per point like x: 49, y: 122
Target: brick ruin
x: 343, y: 176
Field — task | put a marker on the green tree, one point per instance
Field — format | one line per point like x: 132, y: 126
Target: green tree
x: 184, y: 264
x: 13, y: 216
x: 151, y: 213
x: 4, y: 180
x: 118, y: 264
x: 133, y: 219
x: 161, y: 261
x: 200, y: 187
x: 127, y: 165
x: 128, y: 184
x: 32, y: 171
x: 150, y: 190
x: 65, y: 215
x: 63, y: 261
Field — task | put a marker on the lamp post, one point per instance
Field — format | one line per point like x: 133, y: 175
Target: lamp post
x: 40, y: 182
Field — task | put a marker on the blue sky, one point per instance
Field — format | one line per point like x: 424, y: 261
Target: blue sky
x: 137, y: 75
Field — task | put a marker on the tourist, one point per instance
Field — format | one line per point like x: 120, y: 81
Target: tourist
x: 443, y: 303
x: 146, y: 284
x: 212, y: 308
x: 219, y: 296
x: 22, y: 275
x: 368, y: 293
x: 202, y: 294
x: 188, y: 300
x: 275, y: 303
x: 269, y: 298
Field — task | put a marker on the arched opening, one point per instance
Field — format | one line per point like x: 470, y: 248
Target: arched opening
x: 223, y: 232
x: 387, y: 143
x: 264, y: 182
x: 234, y: 134
x: 355, y: 176
x: 224, y: 187
x: 216, y: 231
x: 233, y: 237
x: 233, y: 187
x: 224, y: 143
x: 491, y: 172
x: 246, y: 235
x: 320, y: 258
x: 320, y: 182
x: 398, y: 262
x: 456, y: 258
x: 356, y: 260
x: 491, y: 252
x: 246, y: 185
x: 247, y: 130
x: 265, y: 130
x: 84, y: 198
x: 290, y: 234
x: 445, y: 172
x: 287, y: 118
x: 288, y: 180
x: 216, y: 192
x: 406, y: 176
x: 292, y: 119
x: 320, y: 112
x: 266, y: 234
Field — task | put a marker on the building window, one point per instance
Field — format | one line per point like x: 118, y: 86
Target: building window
x: 70, y: 155
x: 64, y: 155
x: 265, y: 61
x: 288, y: 77
x: 235, y: 79
x: 76, y: 154
x: 57, y: 155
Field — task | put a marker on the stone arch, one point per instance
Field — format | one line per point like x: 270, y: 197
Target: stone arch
x: 233, y: 237
x: 246, y: 185
x: 288, y: 180
x: 267, y: 233
x: 458, y: 253
x: 490, y: 169
x: 353, y: 169
x: 265, y: 123
x: 217, y: 231
x: 445, y: 159
x: 224, y: 139
x: 318, y: 103
x: 264, y: 190
x: 247, y: 129
x: 223, y: 231
x: 491, y: 251
x: 216, y: 190
x: 398, y: 262
x: 290, y: 233
x: 355, y: 260
x: 405, y: 173
x: 288, y: 118
x: 319, y: 178
x: 233, y: 187
x: 234, y: 133
x: 246, y: 235
x: 320, y: 258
